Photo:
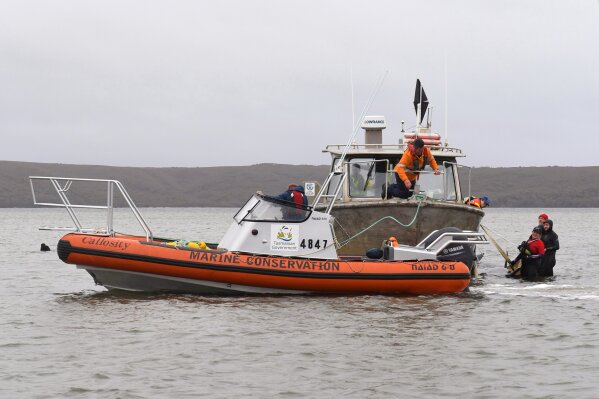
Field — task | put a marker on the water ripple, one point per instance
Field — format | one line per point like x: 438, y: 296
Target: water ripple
x: 61, y: 336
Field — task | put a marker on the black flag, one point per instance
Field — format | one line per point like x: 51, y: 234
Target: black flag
x: 420, y: 97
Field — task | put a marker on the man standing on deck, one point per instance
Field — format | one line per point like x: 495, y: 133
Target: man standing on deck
x: 414, y: 159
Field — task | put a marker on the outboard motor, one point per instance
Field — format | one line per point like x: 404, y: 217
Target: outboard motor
x: 464, y: 253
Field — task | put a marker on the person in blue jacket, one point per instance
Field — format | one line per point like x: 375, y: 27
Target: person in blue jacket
x: 295, y: 193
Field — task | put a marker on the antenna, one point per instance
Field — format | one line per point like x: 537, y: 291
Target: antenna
x: 374, y: 93
x: 339, y: 167
x: 402, y: 135
x: 353, y: 117
x: 429, y: 117
x: 445, y: 70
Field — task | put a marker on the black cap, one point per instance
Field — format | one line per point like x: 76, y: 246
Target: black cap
x: 538, y: 229
x: 418, y: 143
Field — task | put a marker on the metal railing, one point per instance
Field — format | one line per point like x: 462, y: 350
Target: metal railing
x: 391, y: 148
x: 63, y: 184
x: 465, y: 237
x: 325, y: 189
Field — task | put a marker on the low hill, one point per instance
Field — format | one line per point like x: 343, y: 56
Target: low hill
x: 230, y: 186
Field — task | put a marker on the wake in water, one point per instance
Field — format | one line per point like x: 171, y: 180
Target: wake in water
x: 542, y: 290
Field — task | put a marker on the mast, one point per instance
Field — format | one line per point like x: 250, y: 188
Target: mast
x: 446, y: 132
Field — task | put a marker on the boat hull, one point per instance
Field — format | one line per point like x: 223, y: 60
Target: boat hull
x: 131, y: 263
x: 353, y: 217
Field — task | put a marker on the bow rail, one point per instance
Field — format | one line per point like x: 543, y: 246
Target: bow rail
x: 62, y: 185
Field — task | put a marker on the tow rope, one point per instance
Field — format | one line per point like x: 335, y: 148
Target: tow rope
x: 495, y: 244
x: 512, y: 269
x: 419, y: 197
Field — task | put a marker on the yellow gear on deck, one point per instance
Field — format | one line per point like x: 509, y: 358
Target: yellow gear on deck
x: 188, y: 244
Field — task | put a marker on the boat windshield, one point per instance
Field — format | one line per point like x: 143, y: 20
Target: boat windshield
x: 367, y: 176
x: 439, y: 187
x: 271, y: 209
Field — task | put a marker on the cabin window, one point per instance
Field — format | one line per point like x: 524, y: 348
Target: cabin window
x: 450, y: 186
x: 438, y: 187
x: 366, y: 177
x: 270, y: 209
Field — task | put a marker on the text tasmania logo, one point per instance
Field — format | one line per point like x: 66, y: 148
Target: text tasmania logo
x: 285, y: 234
x: 284, y: 237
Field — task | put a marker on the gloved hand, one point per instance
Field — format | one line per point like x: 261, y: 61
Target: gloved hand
x: 522, y: 245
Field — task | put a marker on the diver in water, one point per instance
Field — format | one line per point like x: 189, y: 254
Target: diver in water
x: 551, y: 241
x: 531, y: 255
x: 542, y: 218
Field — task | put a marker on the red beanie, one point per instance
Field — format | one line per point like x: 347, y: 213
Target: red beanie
x: 543, y: 216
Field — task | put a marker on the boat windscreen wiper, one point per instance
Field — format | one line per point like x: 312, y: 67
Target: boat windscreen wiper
x: 368, y: 175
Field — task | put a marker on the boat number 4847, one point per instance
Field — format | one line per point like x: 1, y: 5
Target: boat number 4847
x: 312, y: 243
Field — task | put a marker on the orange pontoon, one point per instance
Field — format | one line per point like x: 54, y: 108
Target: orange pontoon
x: 131, y: 263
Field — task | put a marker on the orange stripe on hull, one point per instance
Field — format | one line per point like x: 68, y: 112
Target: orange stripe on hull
x: 132, y: 254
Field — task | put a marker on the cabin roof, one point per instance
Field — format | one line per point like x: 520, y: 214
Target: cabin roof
x: 388, y: 150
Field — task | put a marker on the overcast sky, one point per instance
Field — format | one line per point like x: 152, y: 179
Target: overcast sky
x: 211, y: 83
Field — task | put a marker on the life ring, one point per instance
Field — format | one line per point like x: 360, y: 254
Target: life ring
x: 434, y: 143
x: 423, y: 136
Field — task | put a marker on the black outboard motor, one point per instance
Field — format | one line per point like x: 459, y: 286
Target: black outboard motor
x: 455, y: 252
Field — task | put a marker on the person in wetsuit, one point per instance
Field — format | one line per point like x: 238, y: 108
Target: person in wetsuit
x: 531, y: 254
x: 551, y: 241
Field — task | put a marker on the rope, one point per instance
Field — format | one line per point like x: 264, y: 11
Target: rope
x: 499, y: 235
x: 419, y: 198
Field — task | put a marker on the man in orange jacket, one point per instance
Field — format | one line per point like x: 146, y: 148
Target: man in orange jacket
x: 414, y: 159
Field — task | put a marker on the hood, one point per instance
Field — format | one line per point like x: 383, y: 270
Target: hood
x: 550, y: 224
x: 298, y: 188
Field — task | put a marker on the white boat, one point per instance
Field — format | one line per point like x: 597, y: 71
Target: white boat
x: 361, y: 173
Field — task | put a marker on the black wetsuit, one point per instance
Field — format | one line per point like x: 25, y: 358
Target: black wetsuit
x: 551, y: 241
x: 531, y: 259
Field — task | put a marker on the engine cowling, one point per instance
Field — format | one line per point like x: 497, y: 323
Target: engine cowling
x: 464, y: 253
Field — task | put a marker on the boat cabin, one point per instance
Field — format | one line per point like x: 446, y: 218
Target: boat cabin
x: 369, y: 166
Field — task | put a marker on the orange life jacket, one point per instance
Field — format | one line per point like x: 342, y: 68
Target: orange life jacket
x: 476, y: 202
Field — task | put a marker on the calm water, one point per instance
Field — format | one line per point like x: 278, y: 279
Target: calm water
x: 61, y: 336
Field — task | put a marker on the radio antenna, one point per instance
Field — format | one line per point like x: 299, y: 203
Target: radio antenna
x: 373, y: 95
x: 445, y: 70
x: 338, y: 169
x: 353, y: 117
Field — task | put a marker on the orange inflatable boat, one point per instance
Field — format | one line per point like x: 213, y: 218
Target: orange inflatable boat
x: 132, y: 263
x: 271, y: 247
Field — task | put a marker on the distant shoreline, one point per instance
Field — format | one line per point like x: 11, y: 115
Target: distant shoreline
x: 231, y: 186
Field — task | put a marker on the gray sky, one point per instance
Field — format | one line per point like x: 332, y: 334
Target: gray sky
x: 209, y: 83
